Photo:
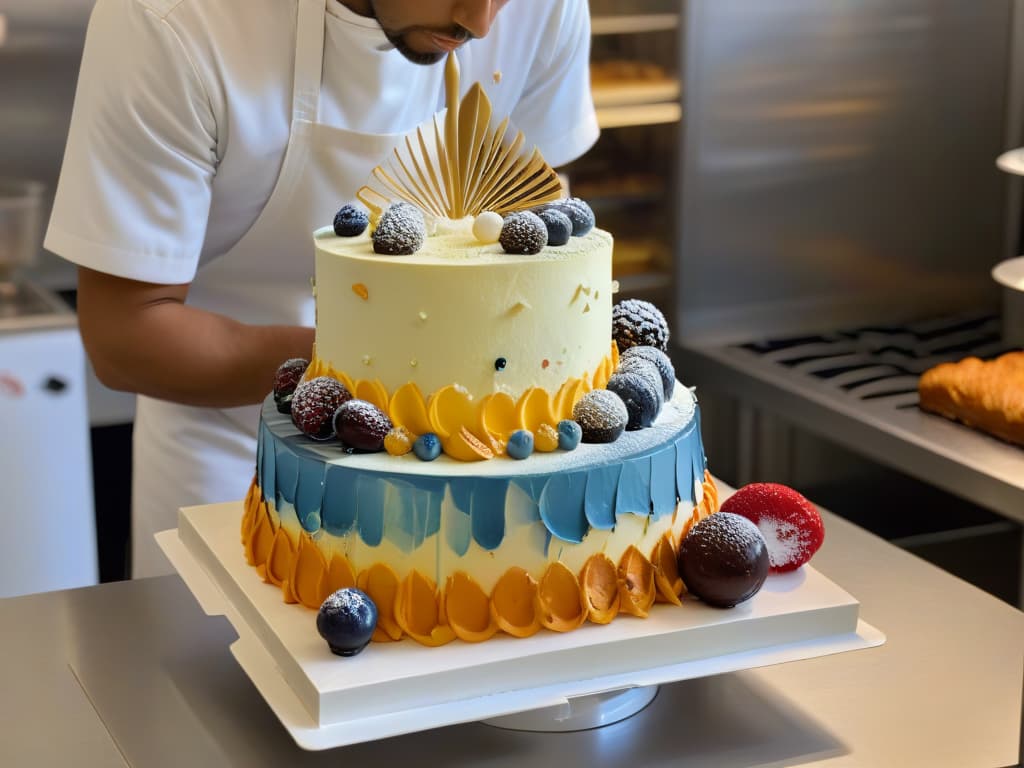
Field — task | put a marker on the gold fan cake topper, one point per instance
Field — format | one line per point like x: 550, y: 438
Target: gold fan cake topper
x: 465, y: 166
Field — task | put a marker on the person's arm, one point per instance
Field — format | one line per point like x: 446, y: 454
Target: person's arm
x: 142, y: 337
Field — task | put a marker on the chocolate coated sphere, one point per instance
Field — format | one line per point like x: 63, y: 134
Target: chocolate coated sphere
x: 724, y: 560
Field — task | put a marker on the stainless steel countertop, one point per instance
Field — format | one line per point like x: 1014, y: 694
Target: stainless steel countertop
x: 157, y: 686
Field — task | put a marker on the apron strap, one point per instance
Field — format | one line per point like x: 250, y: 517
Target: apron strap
x: 309, y: 59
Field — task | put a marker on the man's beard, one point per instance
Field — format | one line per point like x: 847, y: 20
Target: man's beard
x: 397, y: 39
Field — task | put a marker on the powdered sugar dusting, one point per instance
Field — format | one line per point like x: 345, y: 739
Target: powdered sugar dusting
x: 346, y: 600
x: 787, y: 543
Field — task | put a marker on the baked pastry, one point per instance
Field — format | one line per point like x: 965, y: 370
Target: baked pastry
x: 986, y: 395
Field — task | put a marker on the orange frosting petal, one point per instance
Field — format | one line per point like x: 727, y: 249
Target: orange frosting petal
x: 261, y: 540
x: 417, y: 611
x: 451, y: 407
x: 308, y: 570
x: 467, y: 609
x: 666, y: 572
x: 373, y: 392
x: 534, y: 409
x: 339, y: 575
x: 408, y: 409
x: 558, y: 599
x: 380, y: 582
x: 636, y: 583
x: 514, y: 603
x: 568, y: 394
x: 279, y: 564
x: 599, y: 584
x: 498, y: 416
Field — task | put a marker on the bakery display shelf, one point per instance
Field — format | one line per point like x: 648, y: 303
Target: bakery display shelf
x: 639, y: 114
x: 629, y: 92
x: 395, y: 688
x: 858, y: 388
x: 626, y: 24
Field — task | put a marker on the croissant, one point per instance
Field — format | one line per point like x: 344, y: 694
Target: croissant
x: 986, y: 395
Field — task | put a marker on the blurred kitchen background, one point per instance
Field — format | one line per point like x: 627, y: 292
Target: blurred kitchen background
x: 809, y: 190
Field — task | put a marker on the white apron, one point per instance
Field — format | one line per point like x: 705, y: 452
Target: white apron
x: 185, y: 456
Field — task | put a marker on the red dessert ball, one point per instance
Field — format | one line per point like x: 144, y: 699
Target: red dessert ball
x: 790, y: 524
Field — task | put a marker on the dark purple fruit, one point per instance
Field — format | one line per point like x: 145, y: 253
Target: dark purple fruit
x: 350, y: 220
x: 400, y: 231
x: 558, y: 225
x: 579, y: 213
x: 314, y: 403
x: 346, y: 620
x: 524, y: 233
x: 642, y: 395
x: 602, y: 416
x: 361, y: 425
x: 638, y: 323
x: 724, y: 559
x: 288, y: 375
x: 636, y: 358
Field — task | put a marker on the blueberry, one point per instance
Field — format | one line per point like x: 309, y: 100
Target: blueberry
x: 346, y: 620
x: 520, y: 444
x: 427, y: 447
x: 631, y: 360
x: 350, y: 221
x: 569, y: 434
x: 558, y: 225
x: 400, y: 231
x: 524, y: 233
x: 579, y: 213
x: 641, y: 394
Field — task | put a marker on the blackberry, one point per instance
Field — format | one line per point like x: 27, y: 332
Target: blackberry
x: 631, y: 360
x: 400, y: 231
x: 350, y: 221
x: 361, y: 425
x: 638, y: 323
x: 558, y: 225
x: 314, y: 403
x: 602, y: 416
x: 524, y: 233
x: 642, y: 396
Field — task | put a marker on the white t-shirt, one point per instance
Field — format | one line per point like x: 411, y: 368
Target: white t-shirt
x: 183, y: 108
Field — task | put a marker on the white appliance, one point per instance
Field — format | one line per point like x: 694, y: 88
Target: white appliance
x: 47, y: 524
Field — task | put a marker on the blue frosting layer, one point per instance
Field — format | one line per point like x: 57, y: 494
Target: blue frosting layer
x: 406, y: 508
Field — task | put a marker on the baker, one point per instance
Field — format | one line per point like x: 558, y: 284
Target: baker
x: 209, y: 139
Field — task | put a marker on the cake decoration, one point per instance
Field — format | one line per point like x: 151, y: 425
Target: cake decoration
x: 545, y: 439
x: 350, y: 221
x: 288, y: 376
x: 578, y: 212
x: 523, y: 233
x: 569, y: 434
x: 520, y: 444
x: 361, y: 291
x: 790, y: 524
x: 314, y: 403
x: 464, y: 166
x: 558, y: 225
x: 723, y: 560
x: 361, y: 426
x: 347, y: 620
x: 398, y: 441
x: 487, y: 227
x: 639, y: 323
x: 427, y: 447
x: 630, y: 360
x: 400, y: 230
x: 602, y: 416
x: 500, y: 363
x: 641, y: 394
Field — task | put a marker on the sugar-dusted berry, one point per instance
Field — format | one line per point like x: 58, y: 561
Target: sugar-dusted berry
x: 641, y: 394
x: 524, y: 233
x: 350, y: 220
x: 636, y: 358
x: 569, y: 434
x: 314, y: 403
x: 602, y: 416
x: 636, y: 323
x: 346, y: 620
x: 790, y: 523
x: 545, y: 438
x: 398, y: 441
x: 288, y: 375
x: 578, y: 212
x: 558, y: 225
x: 520, y: 444
x: 400, y: 231
x: 361, y: 425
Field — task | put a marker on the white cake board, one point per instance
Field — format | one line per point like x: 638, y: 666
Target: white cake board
x: 395, y: 688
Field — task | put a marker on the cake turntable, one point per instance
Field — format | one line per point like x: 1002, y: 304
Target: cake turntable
x: 594, y: 676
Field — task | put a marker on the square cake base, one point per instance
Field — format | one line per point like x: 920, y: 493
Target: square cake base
x: 393, y: 688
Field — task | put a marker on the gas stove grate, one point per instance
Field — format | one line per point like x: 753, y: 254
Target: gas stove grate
x: 883, y: 362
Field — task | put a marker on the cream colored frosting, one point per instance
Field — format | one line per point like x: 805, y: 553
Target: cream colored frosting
x: 447, y: 313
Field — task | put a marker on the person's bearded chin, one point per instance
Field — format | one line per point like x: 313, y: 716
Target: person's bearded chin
x: 397, y: 38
